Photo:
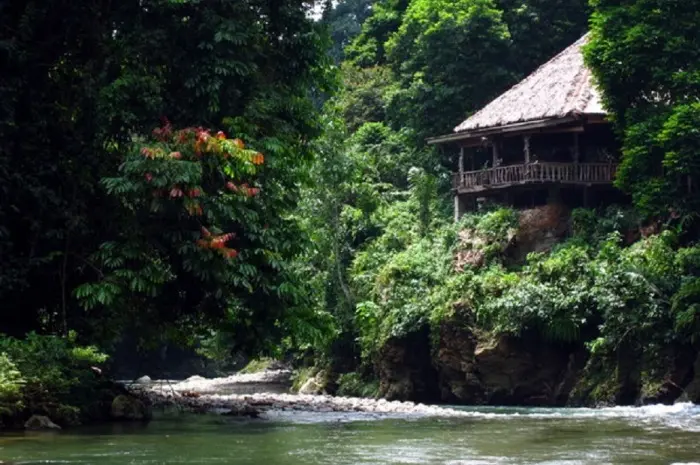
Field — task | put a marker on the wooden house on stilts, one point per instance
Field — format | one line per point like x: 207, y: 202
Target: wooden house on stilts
x: 545, y: 140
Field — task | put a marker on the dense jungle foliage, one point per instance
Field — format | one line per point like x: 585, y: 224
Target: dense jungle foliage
x: 251, y: 177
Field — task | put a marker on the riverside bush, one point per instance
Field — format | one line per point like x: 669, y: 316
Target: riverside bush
x: 11, y: 383
x: 590, y: 288
x: 354, y: 385
x: 393, y: 274
x: 46, y: 375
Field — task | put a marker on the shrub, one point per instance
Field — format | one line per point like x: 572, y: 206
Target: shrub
x: 11, y: 383
x: 399, y: 302
x: 354, y: 385
x: 595, y: 226
x: 47, y: 375
x: 590, y: 288
x: 257, y: 365
x: 551, y: 294
x: 301, y: 376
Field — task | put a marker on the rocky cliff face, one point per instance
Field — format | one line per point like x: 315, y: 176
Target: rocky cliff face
x: 503, y: 370
x: 539, y: 229
x: 467, y: 368
x: 406, y: 371
x: 630, y: 379
x: 464, y: 366
x: 460, y: 364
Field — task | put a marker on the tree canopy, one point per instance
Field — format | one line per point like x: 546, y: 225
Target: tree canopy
x: 344, y: 21
x: 448, y: 61
x: 645, y: 56
x: 83, y: 86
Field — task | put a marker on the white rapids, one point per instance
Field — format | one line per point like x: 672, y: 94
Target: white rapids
x: 204, y: 394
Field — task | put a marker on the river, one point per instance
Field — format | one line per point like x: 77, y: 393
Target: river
x: 622, y: 435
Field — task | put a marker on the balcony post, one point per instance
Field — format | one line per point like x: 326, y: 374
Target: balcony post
x: 526, y: 148
x: 495, y: 152
x: 461, y: 165
x: 576, y: 152
x: 460, y: 207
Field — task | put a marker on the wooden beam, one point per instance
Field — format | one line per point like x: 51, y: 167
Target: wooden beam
x: 461, y: 162
x: 511, y: 128
x: 555, y: 130
x: 478, y: 142
x: 597, y: 119
x: 574, y: 129
x: 576, y: 152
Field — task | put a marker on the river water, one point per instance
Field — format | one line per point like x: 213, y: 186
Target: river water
x: 621, y: 435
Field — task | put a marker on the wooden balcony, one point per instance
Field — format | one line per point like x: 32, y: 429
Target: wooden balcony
x: 533, y: 173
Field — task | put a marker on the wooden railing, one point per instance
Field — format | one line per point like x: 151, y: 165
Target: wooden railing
x: 565, y: 173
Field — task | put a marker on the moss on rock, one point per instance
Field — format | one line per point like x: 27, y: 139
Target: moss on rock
x: 130, y: 408
x: 597, y: 384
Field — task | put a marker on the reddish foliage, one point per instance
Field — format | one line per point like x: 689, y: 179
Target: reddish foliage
x: 200, y: 141
x: 165, y: 132
x: 176, y: 192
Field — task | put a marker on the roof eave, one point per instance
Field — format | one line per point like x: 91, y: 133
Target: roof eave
x: 515, y: 127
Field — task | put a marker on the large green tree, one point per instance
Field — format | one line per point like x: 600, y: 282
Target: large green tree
x: 83, y: 83
x: 450, y: 58
x: 540, y: 29
x: 344, y: 20
x: 646, y: 58
x: 368, y: 49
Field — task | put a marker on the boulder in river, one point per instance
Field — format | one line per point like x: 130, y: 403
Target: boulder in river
x: 127, y: 407
x: 40, y: 422
x: 144, y: 380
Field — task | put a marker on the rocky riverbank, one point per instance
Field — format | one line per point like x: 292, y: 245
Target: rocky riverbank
x: 275, y: 381
x: 199, y: 394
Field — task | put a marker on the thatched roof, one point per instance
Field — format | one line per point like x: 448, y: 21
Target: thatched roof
x: 562, y: 87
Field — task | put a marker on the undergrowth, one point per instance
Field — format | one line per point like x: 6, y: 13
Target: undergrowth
x: 593, y: 287
x: 257, y: 365
x: 354, y: 385
x: 48, y: 375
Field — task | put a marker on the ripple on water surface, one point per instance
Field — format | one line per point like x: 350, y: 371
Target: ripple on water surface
x: 650, y: 435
